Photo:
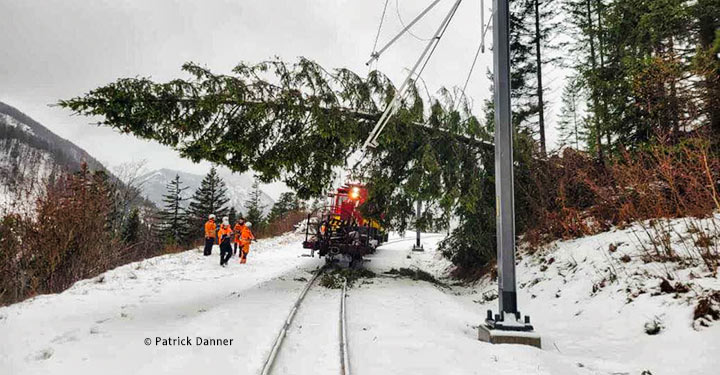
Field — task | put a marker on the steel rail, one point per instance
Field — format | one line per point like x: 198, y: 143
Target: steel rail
x: 270, y: 360
x: 344, y: 355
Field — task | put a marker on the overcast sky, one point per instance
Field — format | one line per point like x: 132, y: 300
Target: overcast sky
x: 53, y: 49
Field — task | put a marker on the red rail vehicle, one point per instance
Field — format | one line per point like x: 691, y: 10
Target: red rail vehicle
x: 341, y: 230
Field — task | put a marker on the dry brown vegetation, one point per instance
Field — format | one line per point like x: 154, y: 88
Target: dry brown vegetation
x: 283, y: 224
x: 67, y: 238
x: 572, y: 195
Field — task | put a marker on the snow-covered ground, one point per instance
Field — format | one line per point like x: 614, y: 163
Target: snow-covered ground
x: 428, y: 329
x: 395, y: 325
x: 100, y: 325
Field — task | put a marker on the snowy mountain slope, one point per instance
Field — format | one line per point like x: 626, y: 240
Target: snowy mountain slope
x: 30, y: 154
x: 239, y: 187
x: 23, y: 173
x: 395, y: 325
x: 69, y: 154
x: 12, y: 122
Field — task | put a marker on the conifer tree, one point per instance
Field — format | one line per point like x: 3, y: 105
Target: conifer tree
x: 232, y: 215
x: 253, y: 206
x: 288, y: 202
x: 545, y: 28
x: 209, y: 198
x: 582, y: 19
x: 523, y: 68
x: 131, y: 227
x: 640, y: 62
x: 523, y: 71
x: 173, y: 223
x: 571, y: 123
x: 706, y: 35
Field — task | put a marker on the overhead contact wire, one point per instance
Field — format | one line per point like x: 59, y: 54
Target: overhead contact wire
x: 382, y: 20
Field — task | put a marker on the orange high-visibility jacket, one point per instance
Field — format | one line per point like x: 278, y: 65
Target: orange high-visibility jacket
x: 238, y: 229
x: 210, y: 229
x: 224, y: 231
x: 246, y: 235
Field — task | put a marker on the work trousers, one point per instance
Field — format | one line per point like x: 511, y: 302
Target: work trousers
x: 209, y: 242
x: 244, y: 253
x: 225, y: 253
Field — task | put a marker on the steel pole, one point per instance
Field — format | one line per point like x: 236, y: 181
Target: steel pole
x: 418, y: 246
x: 504, y: 190
x: 417, y: 228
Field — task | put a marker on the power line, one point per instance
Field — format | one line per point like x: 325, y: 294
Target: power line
x: 397, y: 11
x: 481, y: 47
x: 393, y: 106
x: 472, y: 67
x: 438, y: 37
x: 382, y: 19
x: 376, y: 55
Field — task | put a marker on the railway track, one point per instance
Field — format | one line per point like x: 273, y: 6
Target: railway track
x: 270, y: 365
x: 412, y: 239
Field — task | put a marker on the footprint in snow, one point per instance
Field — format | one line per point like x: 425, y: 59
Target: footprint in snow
x: 65, y: 337
x: 43, y: 354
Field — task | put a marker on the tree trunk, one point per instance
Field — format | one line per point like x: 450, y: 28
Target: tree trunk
x: 575, y: 121
x: 674, y: 101
x: 538, y: 58
x: 593, y: 89
x: 601, y: 51
x: 707, y: 26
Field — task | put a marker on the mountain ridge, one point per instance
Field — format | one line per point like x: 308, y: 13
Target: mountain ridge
x: 30, y: 156
x: 76, y: 153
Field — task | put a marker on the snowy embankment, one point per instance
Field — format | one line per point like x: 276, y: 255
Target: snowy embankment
x: 99, y: 325
x: 588, y: 300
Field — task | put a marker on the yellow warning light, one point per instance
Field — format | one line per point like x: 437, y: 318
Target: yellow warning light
x: 355, y: 193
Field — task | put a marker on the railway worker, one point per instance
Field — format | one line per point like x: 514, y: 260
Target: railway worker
x: 209, y: 235
x: 237, y: 230
x: 246, y: 236
x: 225, y: 236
